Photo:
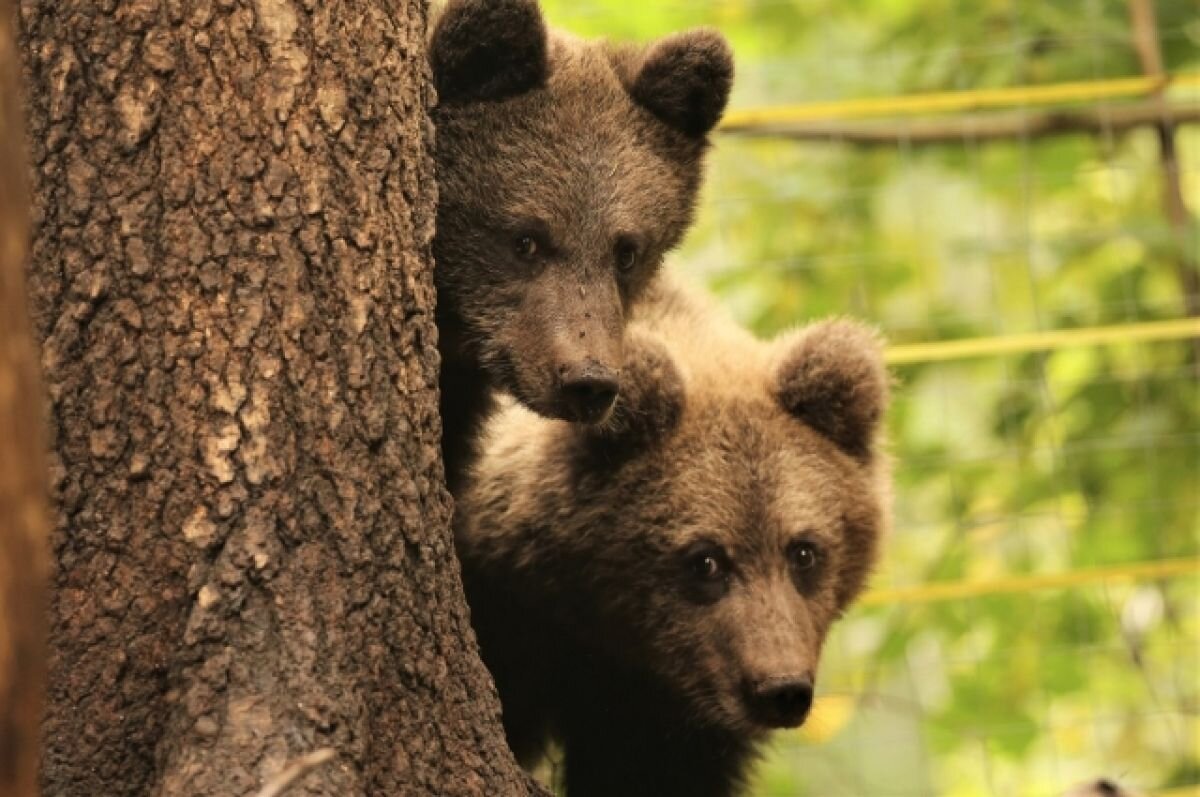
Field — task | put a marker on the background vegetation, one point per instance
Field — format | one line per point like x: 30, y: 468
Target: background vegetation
x: 1038, y: 463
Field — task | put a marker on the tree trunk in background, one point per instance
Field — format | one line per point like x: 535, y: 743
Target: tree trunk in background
x: 233, y: 203
x: 22, y: 466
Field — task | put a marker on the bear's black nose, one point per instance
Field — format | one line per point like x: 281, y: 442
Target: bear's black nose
x: 588, y: 392
x: 1107, y: 787
x: 781, y: 702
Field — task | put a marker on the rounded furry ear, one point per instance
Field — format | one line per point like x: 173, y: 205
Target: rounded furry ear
x: 651, y: 399
x: 833, y: 378
x: 488, y: 50
x: 685, y: 80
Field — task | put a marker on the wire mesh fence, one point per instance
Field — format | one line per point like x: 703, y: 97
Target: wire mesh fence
x: 1004, y: 187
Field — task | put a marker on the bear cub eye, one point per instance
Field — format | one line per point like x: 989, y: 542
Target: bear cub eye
x: 526, y: 246
x: 707, y: 569
x: 805, y: 558
x: 626, y: 253
x: 804, y: 555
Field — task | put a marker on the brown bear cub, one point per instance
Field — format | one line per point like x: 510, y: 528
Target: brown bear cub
x: 652, y: 593
x: 566, y: 169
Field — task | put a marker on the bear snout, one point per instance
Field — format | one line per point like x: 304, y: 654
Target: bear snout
x: 587, y: 390
x: 781, y: 701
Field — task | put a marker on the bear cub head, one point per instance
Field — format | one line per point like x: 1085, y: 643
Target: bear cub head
x: 682, y: 562
x: 566, y: 170
x: 741, y: 519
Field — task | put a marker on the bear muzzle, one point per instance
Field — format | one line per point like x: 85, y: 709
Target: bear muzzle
x: 779, y: 701
x: 587, y: 390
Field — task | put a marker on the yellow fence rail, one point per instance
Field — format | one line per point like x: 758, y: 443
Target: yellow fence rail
x: 954, y: 101
x: 937, y: 591
x: 943, y: 350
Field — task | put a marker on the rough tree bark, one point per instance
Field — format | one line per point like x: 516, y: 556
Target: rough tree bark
x: 22, y: 466
x: 233, y: 203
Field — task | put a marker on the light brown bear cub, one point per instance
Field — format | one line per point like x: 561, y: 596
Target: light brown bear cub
x: 653, y: 593
x: 566, y: 169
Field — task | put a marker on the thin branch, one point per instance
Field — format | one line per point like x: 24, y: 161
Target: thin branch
x: 1145, y: 36
x: 1114, y: 120
x: 1145, y: 29
x: 295, y: 770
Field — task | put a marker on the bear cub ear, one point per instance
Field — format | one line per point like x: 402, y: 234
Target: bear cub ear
x: 684, y: 80
x: 651, y: 399
x: 833, y: 378
x: 488, y: 50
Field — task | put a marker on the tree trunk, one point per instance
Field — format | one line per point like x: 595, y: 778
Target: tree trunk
x: 233, y: 205
x: 22, y: 468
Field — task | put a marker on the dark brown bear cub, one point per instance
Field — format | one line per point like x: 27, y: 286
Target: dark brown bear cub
x: 653, y: 592
x: 566, y: 169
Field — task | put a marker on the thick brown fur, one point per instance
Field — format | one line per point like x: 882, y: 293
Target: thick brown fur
x: 586, y: 550
x: 566, y: 170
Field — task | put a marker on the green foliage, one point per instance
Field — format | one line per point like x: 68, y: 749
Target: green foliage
x: 1041, y: 463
